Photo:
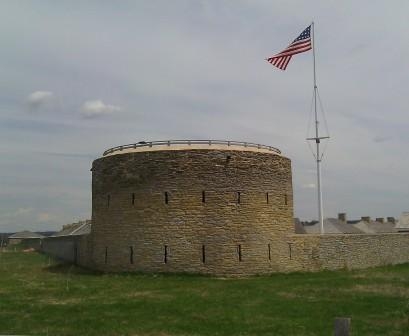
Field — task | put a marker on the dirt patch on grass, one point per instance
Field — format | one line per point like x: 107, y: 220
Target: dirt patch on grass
x: 148, y: 294
x: 58, y: 302
x: 401, y: 325
x: 293, y: 295
x: 380, y: 276
x: 153, y: 334
x: 387, y: 290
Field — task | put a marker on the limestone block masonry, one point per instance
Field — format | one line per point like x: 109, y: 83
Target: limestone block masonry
x: 209, y: 210
x: 347, y: 251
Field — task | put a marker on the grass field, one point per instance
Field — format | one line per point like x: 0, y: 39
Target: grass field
x: 39, y: 298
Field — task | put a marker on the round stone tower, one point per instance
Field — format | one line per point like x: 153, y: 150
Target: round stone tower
x: 216, y: 207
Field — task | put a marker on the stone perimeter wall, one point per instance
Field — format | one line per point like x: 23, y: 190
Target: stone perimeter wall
x: 346, y: 251
x: 73, y: 249
x: 218, y: 212
x: 303, y: 253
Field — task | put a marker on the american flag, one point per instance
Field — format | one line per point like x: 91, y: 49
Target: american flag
x: 301, y: 44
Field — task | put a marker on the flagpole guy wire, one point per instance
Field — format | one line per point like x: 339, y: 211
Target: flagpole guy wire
x: 317, y: 140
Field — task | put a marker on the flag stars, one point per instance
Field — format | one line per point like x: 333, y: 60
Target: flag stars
x: 301, y: 44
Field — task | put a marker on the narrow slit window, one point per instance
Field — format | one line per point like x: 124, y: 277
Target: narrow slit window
x: 203, y: 254
x: 239, y: 252
x: 131, y: 254
x: 203, y: 196
x: 290, y: 250
x: 108, y: 200
x: 166, y: 197
x: 133, y: 198
x: 238, y: 197
x: 269, y: 252
x: 285, y: 199
x: 267, y: 200
x: 165, y: 257
x: 106, y: 255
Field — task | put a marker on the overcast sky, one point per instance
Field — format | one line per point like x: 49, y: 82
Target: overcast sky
x: 80, y: 77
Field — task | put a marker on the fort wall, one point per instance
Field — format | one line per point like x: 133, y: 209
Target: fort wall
x: 74, y: 249
x: 223, y: 211
x: 347, y: 251
x: 296, y: 253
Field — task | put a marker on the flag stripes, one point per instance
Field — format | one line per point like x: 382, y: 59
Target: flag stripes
x: 301, y: 44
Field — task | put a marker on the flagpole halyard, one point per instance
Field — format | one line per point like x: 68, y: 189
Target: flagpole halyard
x: 317, y: 140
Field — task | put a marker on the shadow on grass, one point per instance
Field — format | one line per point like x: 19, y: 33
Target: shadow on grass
x: 64, y: 267
x: 61, y: 267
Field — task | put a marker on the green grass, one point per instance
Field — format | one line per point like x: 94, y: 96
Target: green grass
x: 39, y: 299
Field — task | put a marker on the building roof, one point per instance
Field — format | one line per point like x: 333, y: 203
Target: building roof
x: 344, y: 227
x: 298, y: 226
x: 375, y: 227
x: 25, y: 235
x: 333, y: 225
x: 75, y: 229
x: 403, y: 222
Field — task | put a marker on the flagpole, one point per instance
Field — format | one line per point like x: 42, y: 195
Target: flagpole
x: 301, y: 44
x: 317, y: 141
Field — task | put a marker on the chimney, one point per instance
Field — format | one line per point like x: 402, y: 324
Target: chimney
x: 366, y: 219
x: 342, y: 217
x: 391, y: 220
x: 380, y: 219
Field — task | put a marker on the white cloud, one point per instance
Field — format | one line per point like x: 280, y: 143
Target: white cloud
x: 17, y: 213
x: 39, y: 98
x: 44, y: 217
x: 96, y: 108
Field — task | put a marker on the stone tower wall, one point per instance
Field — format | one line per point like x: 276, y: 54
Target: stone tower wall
x: 219, y: 212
